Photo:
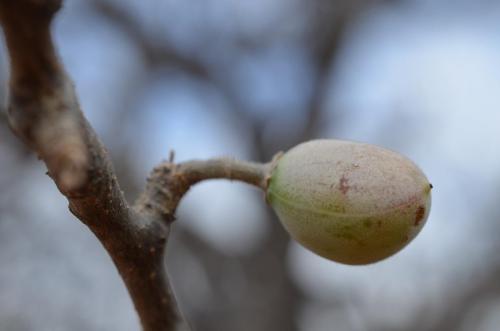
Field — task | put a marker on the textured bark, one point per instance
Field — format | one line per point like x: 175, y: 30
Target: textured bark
x: 44, y: 112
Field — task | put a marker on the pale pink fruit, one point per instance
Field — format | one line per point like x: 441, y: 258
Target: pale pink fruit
x: 349, y: 202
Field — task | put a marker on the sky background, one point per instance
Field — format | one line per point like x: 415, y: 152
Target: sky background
x: 418, y: 77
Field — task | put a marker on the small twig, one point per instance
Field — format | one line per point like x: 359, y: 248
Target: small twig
x: 169, y: 182
x: 252, y: 173
x: 171, y: 156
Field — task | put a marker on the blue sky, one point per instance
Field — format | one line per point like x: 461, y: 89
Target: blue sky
x: 421, y: 78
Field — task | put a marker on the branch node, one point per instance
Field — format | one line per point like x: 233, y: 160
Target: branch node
x: 44, y: 112
x: 171, y: 156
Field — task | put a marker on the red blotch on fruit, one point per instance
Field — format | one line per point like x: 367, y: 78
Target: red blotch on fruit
x: 419, y: 215
x: 343, y: 185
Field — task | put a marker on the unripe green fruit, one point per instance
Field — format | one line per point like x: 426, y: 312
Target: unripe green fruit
x: 349, y: 202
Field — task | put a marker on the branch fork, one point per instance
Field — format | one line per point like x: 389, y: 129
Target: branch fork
x: 44, y: 112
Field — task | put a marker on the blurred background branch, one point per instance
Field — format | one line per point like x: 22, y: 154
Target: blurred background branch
x: 247, y: 79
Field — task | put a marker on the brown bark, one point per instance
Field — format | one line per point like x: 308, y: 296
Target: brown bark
x: 44, y: 112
